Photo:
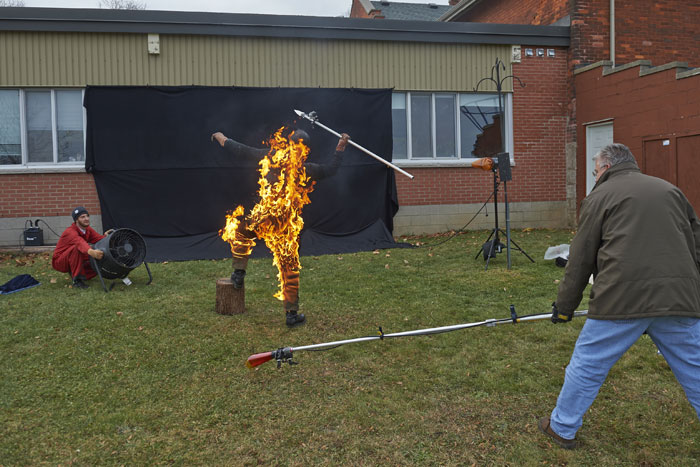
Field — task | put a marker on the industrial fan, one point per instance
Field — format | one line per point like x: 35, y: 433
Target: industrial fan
x: 124, y: 250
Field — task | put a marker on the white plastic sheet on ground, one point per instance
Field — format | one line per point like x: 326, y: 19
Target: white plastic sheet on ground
x: 554, y: 252
x: 561, y: 251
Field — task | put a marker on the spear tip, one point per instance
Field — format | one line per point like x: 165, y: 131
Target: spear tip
x: 298, y: 112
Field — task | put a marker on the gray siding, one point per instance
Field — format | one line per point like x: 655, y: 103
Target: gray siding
x: 79, y: 59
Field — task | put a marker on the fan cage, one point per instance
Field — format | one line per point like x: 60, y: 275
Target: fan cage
x: 127, y: 248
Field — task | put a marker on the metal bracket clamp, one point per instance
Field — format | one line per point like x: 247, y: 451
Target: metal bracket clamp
x: 283, y: 355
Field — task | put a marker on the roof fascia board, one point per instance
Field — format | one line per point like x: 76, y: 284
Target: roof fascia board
x: 310, y: 27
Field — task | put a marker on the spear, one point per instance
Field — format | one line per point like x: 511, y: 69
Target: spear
x: 313, y: 118
x: 284, y: 354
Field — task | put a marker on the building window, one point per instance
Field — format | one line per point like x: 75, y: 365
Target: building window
x: 70, y: 142
x: 448, y: 126
x: 41, y: 127
x: 10, y: 134
x: 398, y: 122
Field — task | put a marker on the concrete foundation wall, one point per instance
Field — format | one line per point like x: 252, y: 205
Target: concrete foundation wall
x: 11, y: 229
x: 418, y: 220
x: 410, y: 220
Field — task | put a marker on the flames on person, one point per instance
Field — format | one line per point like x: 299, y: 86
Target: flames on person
x: 284, y: 189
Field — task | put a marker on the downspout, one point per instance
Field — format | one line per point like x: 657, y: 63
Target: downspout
x: 612, y: 32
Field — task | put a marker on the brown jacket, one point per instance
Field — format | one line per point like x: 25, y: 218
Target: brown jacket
x: 640, y: 238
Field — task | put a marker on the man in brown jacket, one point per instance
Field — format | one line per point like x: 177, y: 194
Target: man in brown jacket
x: 640, y: 238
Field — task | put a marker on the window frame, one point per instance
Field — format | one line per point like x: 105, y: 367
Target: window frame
x: 54, y: 165
x: 459, y: 160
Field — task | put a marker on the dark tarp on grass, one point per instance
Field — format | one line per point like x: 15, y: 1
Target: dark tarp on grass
x: 157, y: 171
x: 18, y: 283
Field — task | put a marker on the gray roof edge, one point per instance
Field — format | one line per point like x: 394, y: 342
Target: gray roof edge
x: 205, y: 23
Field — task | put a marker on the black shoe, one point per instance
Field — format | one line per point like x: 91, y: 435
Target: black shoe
x: 79, y: 284
x: 295, y: 319
x: 237, y: 277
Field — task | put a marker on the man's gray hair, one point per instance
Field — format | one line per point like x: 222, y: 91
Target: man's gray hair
x: 614, y: 154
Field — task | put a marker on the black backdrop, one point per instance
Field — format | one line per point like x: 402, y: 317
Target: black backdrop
x: 157, y: 171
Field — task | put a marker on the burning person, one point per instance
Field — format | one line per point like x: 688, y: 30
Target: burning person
x: 285, y: 181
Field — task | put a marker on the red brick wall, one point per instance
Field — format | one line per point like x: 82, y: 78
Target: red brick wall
x: 444, y: 186
x: 537, y: 12
x: 358, y: 11
x: 660, y: 31
x: 540, y: 119
x: 644, y: 29
x: 539, y: 132
x: 590, y: 32
x: 30, y: 195
x: 642, y: 107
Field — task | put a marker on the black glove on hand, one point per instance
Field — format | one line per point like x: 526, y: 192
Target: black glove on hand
x: 559, y: 317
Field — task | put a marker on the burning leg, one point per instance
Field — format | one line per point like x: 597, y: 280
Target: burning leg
x: 290, y: 295
x: 242, y: 245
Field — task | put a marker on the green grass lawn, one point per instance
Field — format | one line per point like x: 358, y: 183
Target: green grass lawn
x: 152, y: 375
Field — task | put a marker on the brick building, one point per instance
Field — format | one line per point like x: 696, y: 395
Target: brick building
x: 433, y: 68
x: 633, y: 76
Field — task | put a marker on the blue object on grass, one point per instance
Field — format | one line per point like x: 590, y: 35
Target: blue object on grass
x: 21, y: 282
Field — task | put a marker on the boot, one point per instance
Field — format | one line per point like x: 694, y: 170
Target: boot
x: 237, y: 277
x: 295, y: 319
x: 79, y: 282
x: 546, y: 428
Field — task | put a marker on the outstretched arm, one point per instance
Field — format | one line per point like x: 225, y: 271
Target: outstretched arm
x: 238, y: 149
x: 321, y: 171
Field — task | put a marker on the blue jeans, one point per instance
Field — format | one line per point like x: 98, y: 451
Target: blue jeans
x: 601, y: 343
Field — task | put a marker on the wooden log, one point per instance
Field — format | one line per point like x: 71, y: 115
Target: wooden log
x: 229, y: 300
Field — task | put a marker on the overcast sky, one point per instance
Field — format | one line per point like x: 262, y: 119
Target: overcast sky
x: 279, y: 7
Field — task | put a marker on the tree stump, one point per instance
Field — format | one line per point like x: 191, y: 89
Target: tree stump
x: 229, y: 300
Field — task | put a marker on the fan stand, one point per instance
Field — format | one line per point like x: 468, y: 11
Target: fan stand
x: 93, y: 264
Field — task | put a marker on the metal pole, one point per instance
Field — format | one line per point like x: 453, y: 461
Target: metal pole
x: 439, y: 330
x: 366, y: 151
x: 505, y: 197
x: 502, y: 121
x: 285, y: 354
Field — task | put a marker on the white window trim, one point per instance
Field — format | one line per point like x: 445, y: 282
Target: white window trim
x: 40, y: 169
x: 456, y: 162
x: 43, y: 167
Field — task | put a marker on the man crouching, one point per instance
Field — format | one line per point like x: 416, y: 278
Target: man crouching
x: 73, y: 250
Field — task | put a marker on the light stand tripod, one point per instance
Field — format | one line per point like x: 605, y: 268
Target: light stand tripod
x: 503, y: 166
x: 493, y: 243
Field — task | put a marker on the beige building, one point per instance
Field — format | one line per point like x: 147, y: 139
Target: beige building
x: 49, y: 56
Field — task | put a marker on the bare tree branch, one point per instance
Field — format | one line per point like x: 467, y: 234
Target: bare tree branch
x: 120, y: 4
x: 11, y: 3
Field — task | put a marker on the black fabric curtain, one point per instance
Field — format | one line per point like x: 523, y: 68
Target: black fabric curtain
x: 157, y: 171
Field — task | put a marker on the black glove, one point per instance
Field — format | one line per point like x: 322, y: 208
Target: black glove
x: 559, y: 317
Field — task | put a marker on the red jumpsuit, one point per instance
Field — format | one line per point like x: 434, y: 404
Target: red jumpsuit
x: 71, y: 250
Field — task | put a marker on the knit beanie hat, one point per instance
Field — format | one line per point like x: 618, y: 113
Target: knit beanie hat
x: 77, y: 212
